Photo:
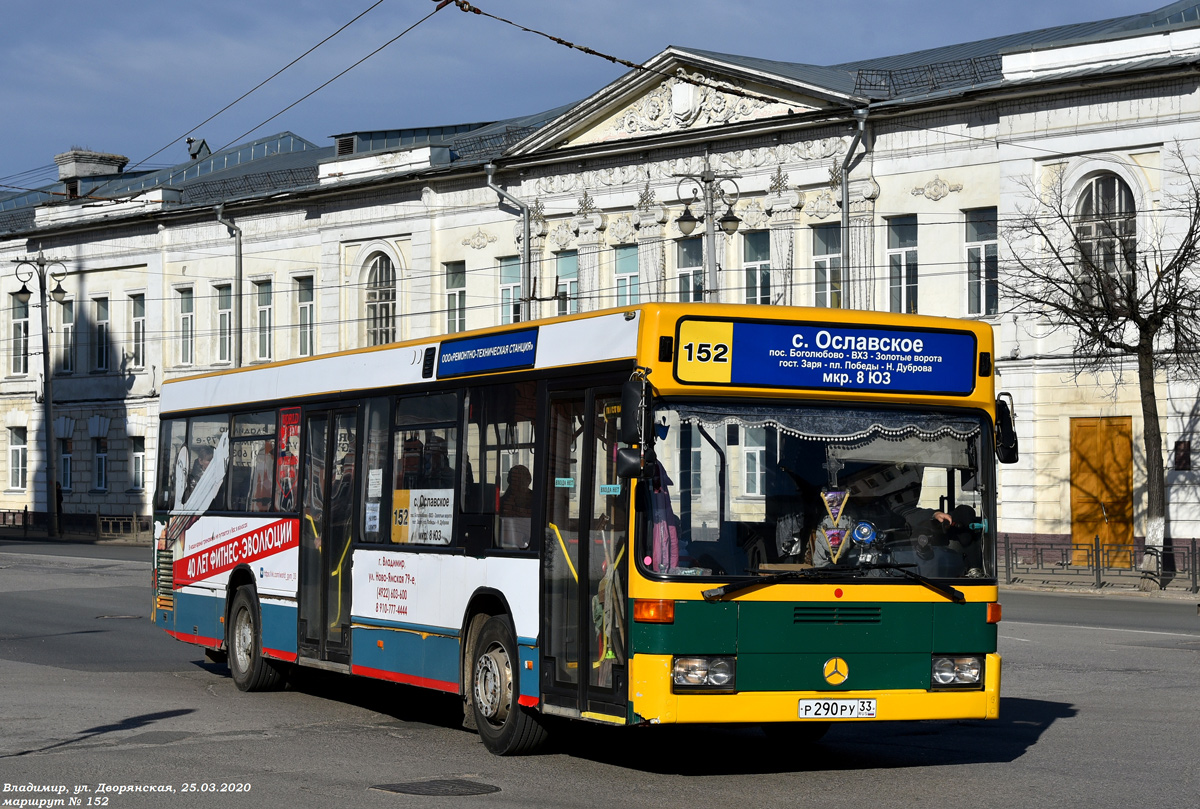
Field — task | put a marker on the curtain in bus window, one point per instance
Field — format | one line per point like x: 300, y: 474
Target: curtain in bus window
x: 208, y: 456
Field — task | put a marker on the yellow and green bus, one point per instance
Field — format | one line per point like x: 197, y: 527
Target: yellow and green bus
x: 657, y: 514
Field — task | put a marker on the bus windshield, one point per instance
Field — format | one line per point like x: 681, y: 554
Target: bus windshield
x: 757, y: 488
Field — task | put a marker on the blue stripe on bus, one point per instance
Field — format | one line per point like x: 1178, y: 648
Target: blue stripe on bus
x: 279, y: 630
x: 419, y: 658
x: 199, y: 615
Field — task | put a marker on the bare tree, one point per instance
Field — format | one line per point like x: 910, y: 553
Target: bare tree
x: 1122, y: 298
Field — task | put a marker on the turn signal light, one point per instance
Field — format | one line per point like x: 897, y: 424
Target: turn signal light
x: 993, y: 614
x: 650, y: 611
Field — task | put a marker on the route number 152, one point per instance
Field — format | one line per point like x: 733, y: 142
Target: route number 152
x: 706, y: 352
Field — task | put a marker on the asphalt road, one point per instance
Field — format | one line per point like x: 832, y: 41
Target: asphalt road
x: 1100, y: 708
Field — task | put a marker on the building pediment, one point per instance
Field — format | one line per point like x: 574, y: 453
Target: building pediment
x: 676, y: 95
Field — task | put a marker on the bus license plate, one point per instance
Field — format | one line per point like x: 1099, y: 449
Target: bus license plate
x: 837, y: 709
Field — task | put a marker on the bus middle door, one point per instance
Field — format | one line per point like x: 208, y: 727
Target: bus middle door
x: 326, y: 532
x: 585, y: 548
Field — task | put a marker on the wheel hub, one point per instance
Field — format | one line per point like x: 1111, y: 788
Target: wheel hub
x: 493, y: 684
x: 243, y: 639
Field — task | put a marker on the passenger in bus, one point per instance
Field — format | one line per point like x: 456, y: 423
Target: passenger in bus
x: 516, y: 509
x: 204, y: 456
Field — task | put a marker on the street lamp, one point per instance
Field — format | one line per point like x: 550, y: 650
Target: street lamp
x: 26, y: 270
x: 709, y: 185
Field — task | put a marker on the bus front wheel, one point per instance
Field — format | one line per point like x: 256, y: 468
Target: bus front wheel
x: 250, y: 670
x: 505, y: 727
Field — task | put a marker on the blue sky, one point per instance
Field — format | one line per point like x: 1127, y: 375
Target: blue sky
x: 130, y: 76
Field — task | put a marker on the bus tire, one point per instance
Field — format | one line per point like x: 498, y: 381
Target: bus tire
x: 796, y: 733
x: 505, y: 727
x: 251, y: 671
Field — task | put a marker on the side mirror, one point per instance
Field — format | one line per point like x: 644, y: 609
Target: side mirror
x: 1006, y: 432
x: 629, y: 463
x: 631, y: 412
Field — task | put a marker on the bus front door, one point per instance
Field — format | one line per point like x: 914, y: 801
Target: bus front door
x: 586, y: 510
x: 326, y: 531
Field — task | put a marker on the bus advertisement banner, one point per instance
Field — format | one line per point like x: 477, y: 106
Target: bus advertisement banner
x: 824, y: 356
x: 254, y: 542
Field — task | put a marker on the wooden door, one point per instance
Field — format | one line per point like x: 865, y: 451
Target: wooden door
x: 1102, y: 488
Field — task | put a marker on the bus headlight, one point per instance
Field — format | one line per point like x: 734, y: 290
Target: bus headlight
x: 957, y: 672
x: 712, y: 674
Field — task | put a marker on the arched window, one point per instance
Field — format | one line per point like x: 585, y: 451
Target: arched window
x: 1106, y: 234
x: 381, y: 301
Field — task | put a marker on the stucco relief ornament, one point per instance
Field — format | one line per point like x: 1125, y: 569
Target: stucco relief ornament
x: 479, y: 240
x: 646, y: 198
x: 621, y: 231
x: 562, y: 235
x: 586, y: 205
x: 936, y: 189
x: 686, y: 100
x: 822, y: 205
x: 779, y: 181
x: 754, y: 216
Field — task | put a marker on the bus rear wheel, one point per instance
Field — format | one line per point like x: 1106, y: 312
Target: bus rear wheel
x: 250, y: 670
x: 505, y: 727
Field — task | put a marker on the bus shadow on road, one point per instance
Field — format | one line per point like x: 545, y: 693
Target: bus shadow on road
x: 681, y: 750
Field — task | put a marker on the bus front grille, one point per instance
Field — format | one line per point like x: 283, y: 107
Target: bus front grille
x: 836, y: 614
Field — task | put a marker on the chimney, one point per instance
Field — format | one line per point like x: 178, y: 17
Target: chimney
x: 79, y: 163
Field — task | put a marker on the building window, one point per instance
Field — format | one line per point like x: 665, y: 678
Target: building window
x: 902, y: 263
x: 754, y: 455
x: 381, y: 301
x: 263, y: 323
x: 187, y: 327
x: 827, y: 263
x: 138, y: 306
x: 566, y: 285
x: 18, y: 457
x: 1106, y: 231
x: 689, y: 266
x: 304, y: 315
x: 982, y: 262
x: 20, y: 336
x: 100, y: 477
x: 66, y: 456
x: 66, y: 344
x: 625, y: 271
x: 225, y: 323
x: 456, y: 296
x: 756, y: 261
x: 101, y: 341
x: 510, y: 289
x: 137, y: 461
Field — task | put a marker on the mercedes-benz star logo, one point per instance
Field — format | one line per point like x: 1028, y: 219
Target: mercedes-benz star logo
x: 836, y: 671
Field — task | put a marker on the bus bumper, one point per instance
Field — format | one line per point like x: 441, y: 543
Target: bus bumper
x: 652, y: 700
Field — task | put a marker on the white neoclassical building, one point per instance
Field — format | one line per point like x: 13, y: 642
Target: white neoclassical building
x: 884, y: 184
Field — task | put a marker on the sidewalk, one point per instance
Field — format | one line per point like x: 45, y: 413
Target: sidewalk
x: 38, y: 535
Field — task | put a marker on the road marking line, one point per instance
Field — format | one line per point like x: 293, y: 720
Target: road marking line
x: 1102, y: 629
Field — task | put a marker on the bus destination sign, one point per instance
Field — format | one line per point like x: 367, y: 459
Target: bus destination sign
x: 826, y: 356
x: 493, y: 352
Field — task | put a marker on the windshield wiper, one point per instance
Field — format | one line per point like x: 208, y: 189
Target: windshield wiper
x: 717, y: 593
x: 834, y: 571
x: 946, y: 590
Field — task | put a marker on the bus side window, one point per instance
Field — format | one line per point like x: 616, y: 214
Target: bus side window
x: 501, y: 460
x: 172, y: 441
x: 424, y: 451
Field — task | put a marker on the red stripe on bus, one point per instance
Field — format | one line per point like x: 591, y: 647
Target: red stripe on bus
x: 212, y: 643
x: 528, y: 702
x: 287, y: 657
x: 407, y: 679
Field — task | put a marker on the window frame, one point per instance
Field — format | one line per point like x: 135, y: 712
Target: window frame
x: 626, y: 281
x: 224, y: 296
x: 510, y: 290
x: 18, y: 459
x: 19, y: 336
x: 305, y: 315
x: 454, y: 273
x: 982, y: 257
x: 101, y: 334
x: 379, y: 299
x: 903, y: 264
x: 689, y: 278
x: 828, y: 282
x: 66, y: 343
x: 757, y: 272
x: 137, y: 330
x: 187, y: 325
x: 264, y: 317
x: 566, y: 284
x: 100, y: 469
